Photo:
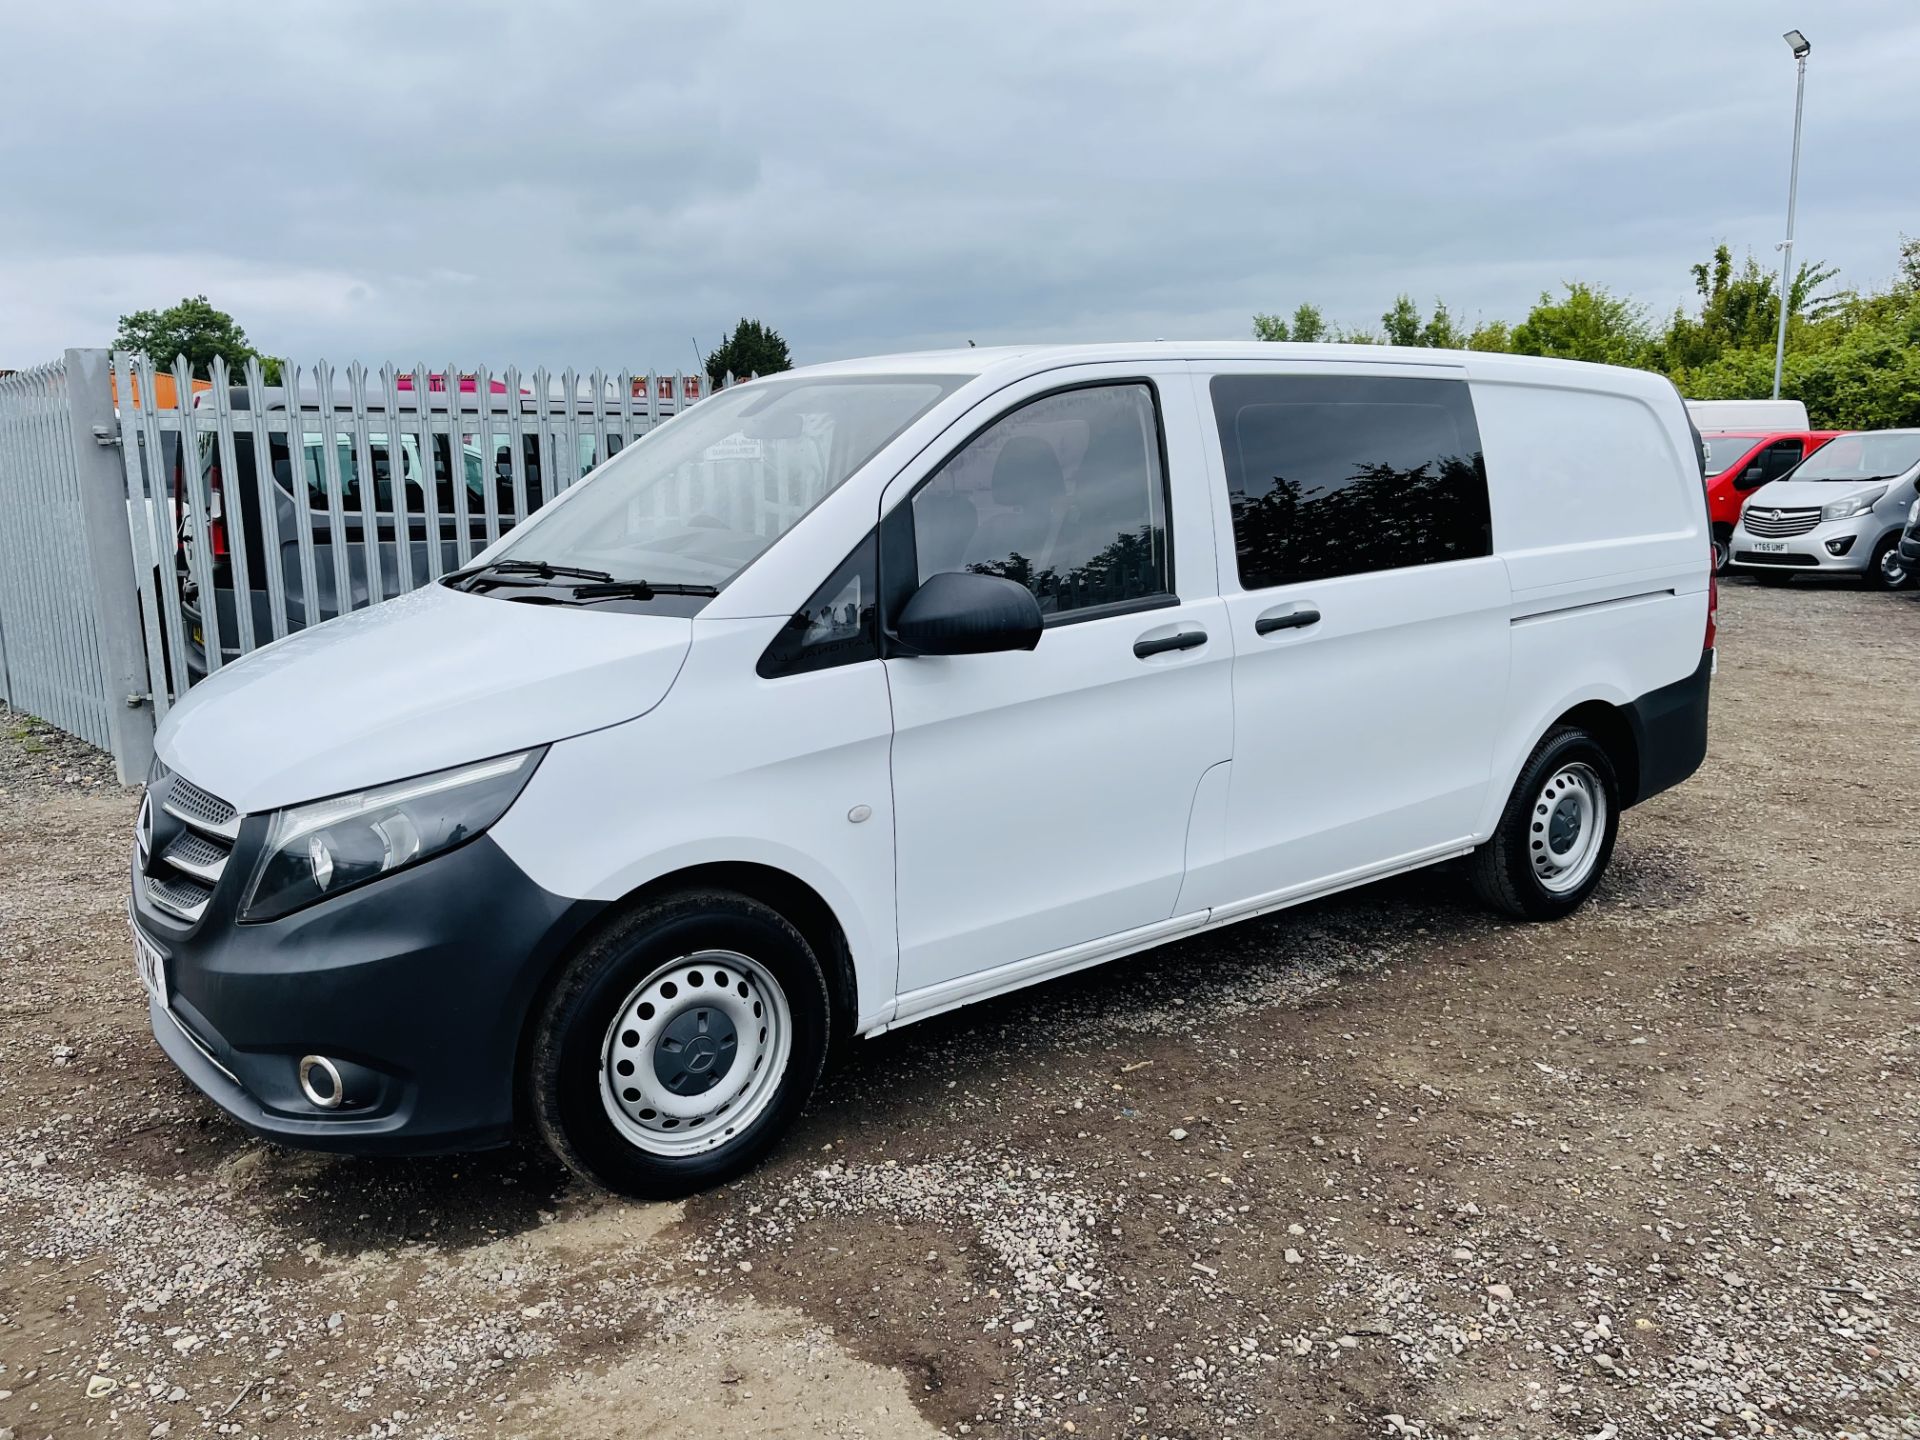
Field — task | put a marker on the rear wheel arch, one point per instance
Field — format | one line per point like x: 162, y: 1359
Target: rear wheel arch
x: 1612, y: 727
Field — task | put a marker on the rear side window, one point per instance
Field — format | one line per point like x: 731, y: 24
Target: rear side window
x: 1341, y: 475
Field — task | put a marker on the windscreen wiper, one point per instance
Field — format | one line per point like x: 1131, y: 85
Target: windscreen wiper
x: 527, y: 567
x: 608, y: 589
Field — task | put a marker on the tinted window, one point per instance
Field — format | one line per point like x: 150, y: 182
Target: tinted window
x: 1778, y: 458
x: 1065, y: 495
x: 1341, y: 475
x: 835, y: 626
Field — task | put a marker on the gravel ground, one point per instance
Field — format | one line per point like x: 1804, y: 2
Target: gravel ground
x: 1376, y: 1166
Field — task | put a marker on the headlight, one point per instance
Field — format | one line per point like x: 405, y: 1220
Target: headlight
x: 1913, y: 514
x: 322, y: 848
x: 1858, y: 505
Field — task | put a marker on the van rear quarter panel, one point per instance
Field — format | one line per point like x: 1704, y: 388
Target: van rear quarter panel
x: 1600, y: 516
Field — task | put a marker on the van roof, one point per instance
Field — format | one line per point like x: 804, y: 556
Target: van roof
x: 977, y: 360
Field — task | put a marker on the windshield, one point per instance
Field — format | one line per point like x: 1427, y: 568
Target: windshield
x: 1862, y: 457
x: 1724, y: 450
x: 698, y: 499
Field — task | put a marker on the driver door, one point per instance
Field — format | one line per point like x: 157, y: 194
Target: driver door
x: 1042, y: 798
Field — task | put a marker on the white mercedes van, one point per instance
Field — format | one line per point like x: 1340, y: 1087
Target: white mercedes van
x: 861, y: 692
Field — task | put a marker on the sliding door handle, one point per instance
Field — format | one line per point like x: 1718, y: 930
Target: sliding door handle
x: 1150, y: 646
x: 1297, y: 619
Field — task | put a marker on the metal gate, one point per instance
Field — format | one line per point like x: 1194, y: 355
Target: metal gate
x: 259, y: 508
x: 70, y: 644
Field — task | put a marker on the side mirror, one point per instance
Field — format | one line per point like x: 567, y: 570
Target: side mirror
x: 961, y: 613
x: 1751, y: 477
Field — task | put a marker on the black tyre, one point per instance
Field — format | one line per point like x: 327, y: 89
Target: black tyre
x: 679, y: 1045
x: 1722, y: 552
x: 1557, y: 832
x: 1772, y: 577
x: 1888, y: 569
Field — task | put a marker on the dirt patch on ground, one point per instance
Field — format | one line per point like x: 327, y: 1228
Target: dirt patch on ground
x: 1381, y: 1165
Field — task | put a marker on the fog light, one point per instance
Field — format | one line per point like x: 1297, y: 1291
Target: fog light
x: 320, y: 1082
x: 1840, y: 544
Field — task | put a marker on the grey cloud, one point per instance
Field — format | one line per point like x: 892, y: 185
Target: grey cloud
x: 595, y: 184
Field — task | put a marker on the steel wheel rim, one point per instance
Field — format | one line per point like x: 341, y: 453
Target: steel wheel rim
x: 1721, y: 551
x: 695, y: 1053
x: 1566, y: 827
x: 1893, y: 567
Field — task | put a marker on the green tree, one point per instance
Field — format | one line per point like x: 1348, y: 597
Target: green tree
x: 1492, y: 335
x: 1588, y: 323
x: 1740, y: 308
x: 1271, y: 327
x: 193, y: 328
x: 1401, y: 322
x: 752, y: 349
x: 1309, y: 324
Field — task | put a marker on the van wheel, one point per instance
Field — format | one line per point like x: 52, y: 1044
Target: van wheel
x: 1556, y: 835
x: 1722, y: 554
x: 1888, y: 569
x: 679, y: 1045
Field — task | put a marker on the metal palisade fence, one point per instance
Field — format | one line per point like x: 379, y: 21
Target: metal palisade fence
x: 155, y: 526
x: 261, y: 507
x: 70, y: 647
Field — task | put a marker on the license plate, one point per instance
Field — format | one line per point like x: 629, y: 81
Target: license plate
x: 1770, y: 547
x: 151, y: 966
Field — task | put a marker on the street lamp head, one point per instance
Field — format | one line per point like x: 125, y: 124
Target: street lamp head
x: 1801, y: 45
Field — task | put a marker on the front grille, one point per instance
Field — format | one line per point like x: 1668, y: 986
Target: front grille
x: 201, y: 810
x: 195, y: 854
x: 185, y: 874
x: 1754, y: 557
x: 178, y: 895
x: 1770, y: 524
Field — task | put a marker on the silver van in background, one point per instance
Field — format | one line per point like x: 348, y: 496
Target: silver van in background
x: 1840, y: 511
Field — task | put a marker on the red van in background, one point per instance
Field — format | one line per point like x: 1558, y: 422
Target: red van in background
x: 1740, y: 462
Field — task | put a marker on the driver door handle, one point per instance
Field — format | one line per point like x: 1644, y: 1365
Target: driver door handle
x: 1153, y: 645
x: 1297, y: 618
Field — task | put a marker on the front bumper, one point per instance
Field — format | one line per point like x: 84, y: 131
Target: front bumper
x: 1910, y: 547
x: 417, y: 986
x: 1809, y: 552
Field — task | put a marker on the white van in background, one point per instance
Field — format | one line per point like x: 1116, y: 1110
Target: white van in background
x: 1711, y: 415
x: 1046, y: 656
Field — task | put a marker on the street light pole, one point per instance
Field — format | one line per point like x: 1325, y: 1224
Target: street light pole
x: 1801, y: 46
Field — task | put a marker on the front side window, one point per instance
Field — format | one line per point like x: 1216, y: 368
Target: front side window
x: 699, y: 498
x: 1777, y: 459
x: 1341, y: 475
x: 1065, y: 495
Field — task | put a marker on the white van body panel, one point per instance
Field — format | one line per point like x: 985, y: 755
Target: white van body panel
x: 1600, y: 516
x: 1043, y: 806
x: 731, y: 769
x: 434, y: 678
x: 1362, y: 740
x: 1748, y: 414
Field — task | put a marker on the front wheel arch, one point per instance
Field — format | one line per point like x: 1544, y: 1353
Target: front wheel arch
x: 795, y: 901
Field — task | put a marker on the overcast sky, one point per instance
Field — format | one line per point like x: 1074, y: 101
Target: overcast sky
x: 605, y: 184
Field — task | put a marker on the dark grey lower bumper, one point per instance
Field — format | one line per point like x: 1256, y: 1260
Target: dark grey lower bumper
x: 417, y: 986
x: 1670, y: 731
